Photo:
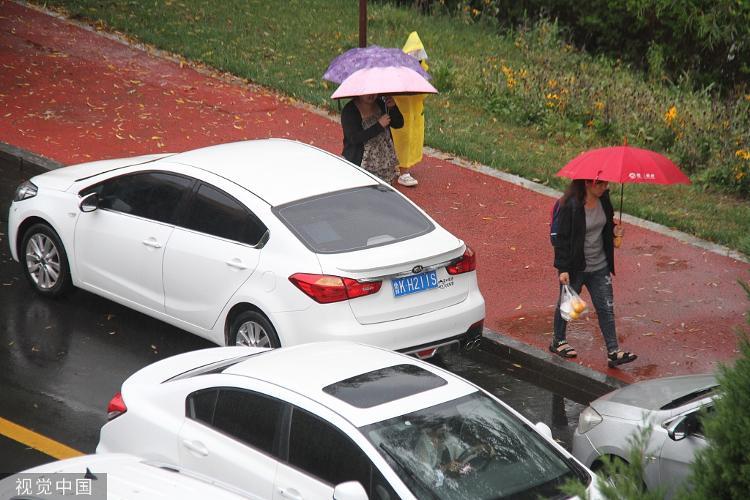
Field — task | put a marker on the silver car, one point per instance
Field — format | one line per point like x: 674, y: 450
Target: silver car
x: 670, y: 406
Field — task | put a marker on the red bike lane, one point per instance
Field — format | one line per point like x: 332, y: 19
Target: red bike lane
x: 75, y: 95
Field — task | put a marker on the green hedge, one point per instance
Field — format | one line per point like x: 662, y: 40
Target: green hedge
x: 707, y: 39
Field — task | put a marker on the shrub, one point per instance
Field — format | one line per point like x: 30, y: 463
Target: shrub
x: 722, y: 470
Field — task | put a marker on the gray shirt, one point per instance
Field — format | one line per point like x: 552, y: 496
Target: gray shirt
x: 593, y: 245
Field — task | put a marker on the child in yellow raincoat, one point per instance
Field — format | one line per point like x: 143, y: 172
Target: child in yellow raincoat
x: 409, y: 140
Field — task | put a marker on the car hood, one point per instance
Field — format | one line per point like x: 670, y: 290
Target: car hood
x: 657, y: 393
x: 62, y: 178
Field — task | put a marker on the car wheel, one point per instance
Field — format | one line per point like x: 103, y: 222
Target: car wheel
x: 616, y: 475
x: 252, y: 329
x: 45, y: 262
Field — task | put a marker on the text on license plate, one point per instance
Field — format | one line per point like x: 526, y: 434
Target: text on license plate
x: 414, y: 284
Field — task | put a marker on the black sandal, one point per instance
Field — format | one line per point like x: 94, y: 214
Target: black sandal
x: 620, y: 358
x: 563, y: 349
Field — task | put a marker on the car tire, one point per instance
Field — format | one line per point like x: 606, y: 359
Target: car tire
x: 45, y: 262
x: 610, y: 476
x: 252, y: 329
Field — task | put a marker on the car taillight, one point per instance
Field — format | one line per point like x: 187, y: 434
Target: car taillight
x: 467, y: 262
x: 325, y: 289
x: 116, y: 407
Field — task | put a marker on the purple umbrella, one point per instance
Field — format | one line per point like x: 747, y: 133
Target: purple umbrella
x: 370, y: 57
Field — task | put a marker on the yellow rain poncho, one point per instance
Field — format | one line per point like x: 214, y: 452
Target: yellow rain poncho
x: 409, y: 140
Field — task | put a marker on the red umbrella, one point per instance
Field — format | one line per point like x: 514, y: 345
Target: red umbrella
x: 624, y: 164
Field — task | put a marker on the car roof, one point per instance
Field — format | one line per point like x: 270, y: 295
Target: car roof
x: 277, y: 170
x: 312, y: 369
x: 660, y: 393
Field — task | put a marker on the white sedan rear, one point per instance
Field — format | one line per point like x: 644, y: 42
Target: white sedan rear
x: 261, y: 243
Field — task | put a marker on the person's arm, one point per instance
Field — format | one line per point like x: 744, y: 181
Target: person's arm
x: 351, y: 123
x: 563, y: 241
x: 397, y: 119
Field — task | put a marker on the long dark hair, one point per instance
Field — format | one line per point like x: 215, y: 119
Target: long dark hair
x: 576, y: 189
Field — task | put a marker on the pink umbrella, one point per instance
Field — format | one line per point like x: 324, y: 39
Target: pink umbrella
x: 385, y: 80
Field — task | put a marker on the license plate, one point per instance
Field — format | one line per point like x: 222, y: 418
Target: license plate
x: 414, y: 284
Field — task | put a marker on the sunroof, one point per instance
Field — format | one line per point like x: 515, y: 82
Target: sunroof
x: 384, y: 385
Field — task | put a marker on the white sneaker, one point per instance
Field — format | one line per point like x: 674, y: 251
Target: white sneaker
x: 407, y: 180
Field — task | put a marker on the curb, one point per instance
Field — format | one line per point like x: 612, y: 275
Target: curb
x: 27, y: 159
x: 578, y: 382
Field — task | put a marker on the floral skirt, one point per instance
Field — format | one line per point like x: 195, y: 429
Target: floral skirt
x: 380, y: 156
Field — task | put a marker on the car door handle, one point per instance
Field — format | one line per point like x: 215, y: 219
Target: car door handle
x: 290, y: 493
x: 196, y: 447
x: 237, y: 264
x: 151, y: 242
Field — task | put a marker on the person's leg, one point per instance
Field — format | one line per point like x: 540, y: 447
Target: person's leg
x: 600, y: 288
x: 559, y: 324
x: 599, y: 285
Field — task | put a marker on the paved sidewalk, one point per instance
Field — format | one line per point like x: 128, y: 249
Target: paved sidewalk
x: 74, y: 95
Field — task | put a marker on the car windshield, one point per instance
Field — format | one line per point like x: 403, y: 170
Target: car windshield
x: 471, y: 447
x: 353, y: 219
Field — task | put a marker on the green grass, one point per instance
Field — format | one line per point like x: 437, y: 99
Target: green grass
x: 287, y: 45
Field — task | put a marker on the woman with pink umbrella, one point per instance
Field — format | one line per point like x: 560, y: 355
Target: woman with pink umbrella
x: 367, y: 140
x: 364, y: 74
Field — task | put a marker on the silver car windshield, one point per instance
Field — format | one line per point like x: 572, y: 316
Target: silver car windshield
x: 471, y: 447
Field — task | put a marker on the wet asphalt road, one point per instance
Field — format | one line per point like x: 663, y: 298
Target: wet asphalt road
x: 61, y: 361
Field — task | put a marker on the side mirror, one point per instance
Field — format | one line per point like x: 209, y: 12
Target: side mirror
x: 544, y: 430
x: 89, y: 203
x: 350, y: 490
x: 678, y: 429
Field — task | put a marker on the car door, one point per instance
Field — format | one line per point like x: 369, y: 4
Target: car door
x: 119, y: 248
x: 233, y: 436
x: 676, y: 456
x: 319, y: 457
x: 207, y: 259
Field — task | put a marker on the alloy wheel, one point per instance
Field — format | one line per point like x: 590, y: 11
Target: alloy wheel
x: 252, y: 334
x: 43, y: 261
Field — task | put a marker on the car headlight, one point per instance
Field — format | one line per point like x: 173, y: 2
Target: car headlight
x: 25, y: 191
x: 588, y: 419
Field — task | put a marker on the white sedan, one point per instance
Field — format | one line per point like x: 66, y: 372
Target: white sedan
x: 295, y: 422
x: 114, y: 476
x: 260, y: 243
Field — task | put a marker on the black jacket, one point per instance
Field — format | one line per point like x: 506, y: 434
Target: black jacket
x: 355, y: 136
x: 571, y: 234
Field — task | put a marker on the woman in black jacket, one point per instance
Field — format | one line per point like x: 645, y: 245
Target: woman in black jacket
x: 367, y: 139
x: 584, y: 255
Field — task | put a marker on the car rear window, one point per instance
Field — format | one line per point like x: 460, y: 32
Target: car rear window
x: 353, y: 219
x: 384, y: 385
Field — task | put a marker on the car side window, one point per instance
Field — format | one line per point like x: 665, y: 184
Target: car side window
x: 200, y: 405
x: 323, y: 451
x: 249, y: 417
x: 152, y: 195
x: 216, y: 213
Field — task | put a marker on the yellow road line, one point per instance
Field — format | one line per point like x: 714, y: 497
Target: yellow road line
x: 37, y: 441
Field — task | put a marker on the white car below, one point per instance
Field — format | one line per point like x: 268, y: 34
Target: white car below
x: 114, y: 476
x: 260, y: 243
x: 295, y: 422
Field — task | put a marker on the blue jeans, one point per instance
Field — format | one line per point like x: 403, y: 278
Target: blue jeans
x: 599, y: 285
